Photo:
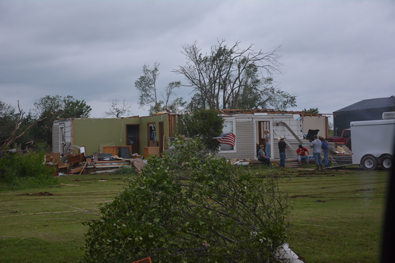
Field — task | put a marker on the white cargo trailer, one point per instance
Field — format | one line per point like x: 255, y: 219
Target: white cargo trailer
x: 372, y: 142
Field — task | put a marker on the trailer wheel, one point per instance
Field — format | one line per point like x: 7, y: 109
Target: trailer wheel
x: 386, y: 162
x: 369, y: 162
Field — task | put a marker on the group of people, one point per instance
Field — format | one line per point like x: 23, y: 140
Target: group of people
x: 303, y: 153
x: 319, y: 144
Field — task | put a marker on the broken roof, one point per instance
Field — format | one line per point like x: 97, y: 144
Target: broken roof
x: 269, y: 111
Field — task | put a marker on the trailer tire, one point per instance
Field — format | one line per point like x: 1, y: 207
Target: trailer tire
x: 386, y: 162
x: 369, y: 162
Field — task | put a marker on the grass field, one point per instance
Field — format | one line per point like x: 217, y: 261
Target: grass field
x: 336, y: 216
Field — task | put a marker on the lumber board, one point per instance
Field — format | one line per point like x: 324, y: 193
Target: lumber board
x: 76, y: 170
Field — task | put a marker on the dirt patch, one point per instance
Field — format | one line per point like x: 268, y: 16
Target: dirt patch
x: 300, y: 257
x: 43, y: 194
x: 363, y: 190
x: 69, y: 184
x: 40, y: 194
x: 295, y: 196
x: 310, y: 196
x: 321, y: 201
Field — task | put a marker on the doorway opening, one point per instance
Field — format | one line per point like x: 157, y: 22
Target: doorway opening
x: 133, y: 137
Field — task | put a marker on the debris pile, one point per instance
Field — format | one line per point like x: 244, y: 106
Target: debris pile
x: 335, y: 149
x: 96, y: 163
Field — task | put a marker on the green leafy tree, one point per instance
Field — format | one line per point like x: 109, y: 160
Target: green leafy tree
x: 62, y: 107
x: 58, y: 107
x: 233, y: 78
x: 191, y: 207
x: 146, y: 85
x: 311, y: 110
x: 265, y: 97
x: 204, y: 124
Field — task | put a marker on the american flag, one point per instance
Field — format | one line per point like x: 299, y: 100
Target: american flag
x: 227, y: 138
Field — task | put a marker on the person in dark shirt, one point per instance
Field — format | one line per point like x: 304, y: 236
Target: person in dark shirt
x: 281, y: 146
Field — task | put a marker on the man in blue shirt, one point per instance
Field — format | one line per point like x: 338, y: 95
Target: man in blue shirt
x: 325, y: 148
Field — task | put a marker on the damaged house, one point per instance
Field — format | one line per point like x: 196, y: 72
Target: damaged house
x: 150, y: 134
x: 249, y: 126
x: 142, y: 135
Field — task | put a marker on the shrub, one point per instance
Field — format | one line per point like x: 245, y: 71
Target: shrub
x: 25, y: 171
x: 126, y: 170
x: 204, y: 124
x: 190, y: 207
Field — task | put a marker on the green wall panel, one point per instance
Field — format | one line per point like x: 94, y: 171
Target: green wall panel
x: 96, y: 133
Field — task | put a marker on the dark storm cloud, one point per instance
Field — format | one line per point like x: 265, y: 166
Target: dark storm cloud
x: 334, y: 53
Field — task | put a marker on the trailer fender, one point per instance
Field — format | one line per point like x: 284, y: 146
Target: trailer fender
x: 386, y: 161
x: 369, y: 162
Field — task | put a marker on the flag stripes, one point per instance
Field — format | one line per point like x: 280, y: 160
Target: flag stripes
x: 227, y: 138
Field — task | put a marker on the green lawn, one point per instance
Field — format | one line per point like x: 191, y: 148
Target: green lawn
x: 336, y: 215
x: 48, y: 228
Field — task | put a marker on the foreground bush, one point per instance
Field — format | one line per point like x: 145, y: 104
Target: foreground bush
x: 25, y: 171
x: 190, y: 207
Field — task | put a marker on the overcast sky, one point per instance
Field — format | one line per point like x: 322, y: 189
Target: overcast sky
x: 334, y: 53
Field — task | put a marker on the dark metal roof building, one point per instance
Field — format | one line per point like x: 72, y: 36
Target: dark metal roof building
x: 370, y: 109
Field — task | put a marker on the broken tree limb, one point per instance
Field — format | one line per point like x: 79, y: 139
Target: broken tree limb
x: 10, y: 140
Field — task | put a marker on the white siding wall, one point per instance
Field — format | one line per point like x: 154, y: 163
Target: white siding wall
x: 246, y: 137
x: 294, y: 124
x: 56, y: 136
x: 68, y: 130
x: 244, y: 140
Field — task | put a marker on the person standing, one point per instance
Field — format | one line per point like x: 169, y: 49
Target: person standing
x: 267, y: 142
x: 303, y: 154
x: 316, y: 145
x: 281, y: 146
x: 325, y: 149
x: 262, y: 157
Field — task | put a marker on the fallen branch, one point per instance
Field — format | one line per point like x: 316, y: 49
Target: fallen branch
x: 10, y: 140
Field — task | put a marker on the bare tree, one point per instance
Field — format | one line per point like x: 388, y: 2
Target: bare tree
x: 118, y: 111
x: 170, y: 91
x: 221, y: 78
x: 14, y: 136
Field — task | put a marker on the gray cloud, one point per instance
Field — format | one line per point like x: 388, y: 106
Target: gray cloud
x: 334, y: 53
